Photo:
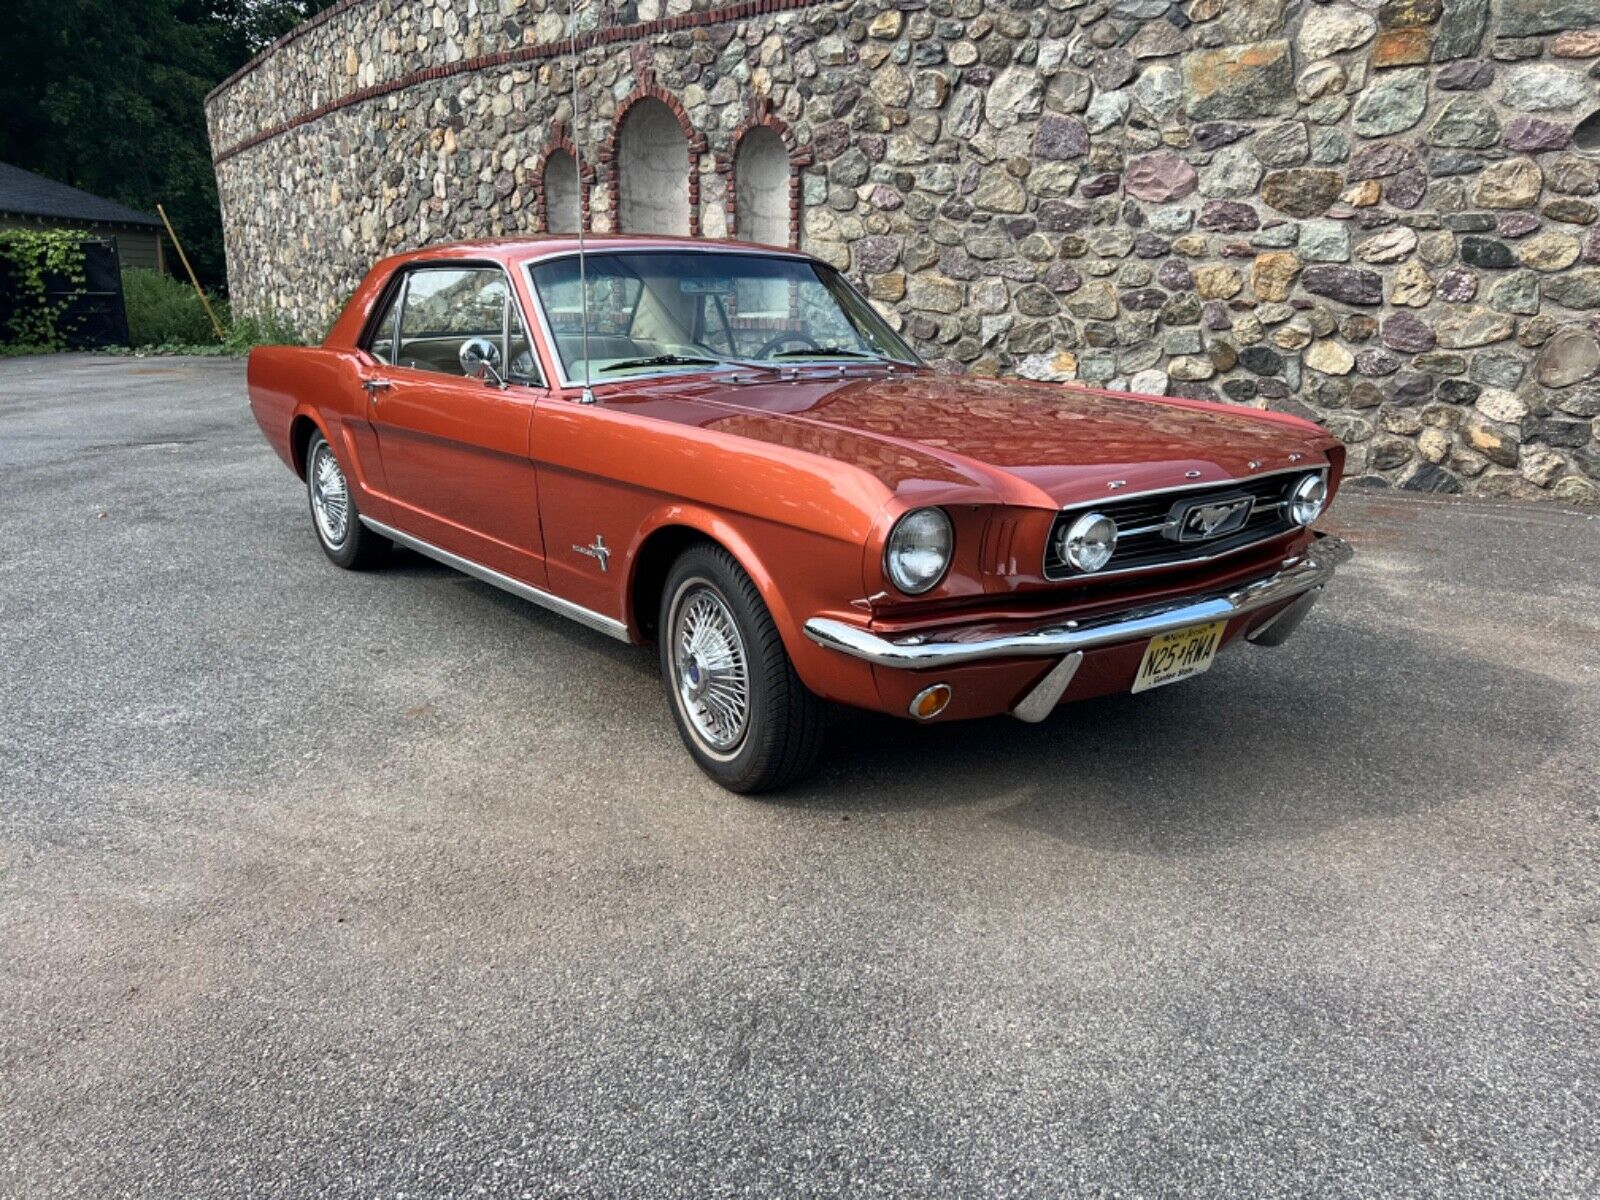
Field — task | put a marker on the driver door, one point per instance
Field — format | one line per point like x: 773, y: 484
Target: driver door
x: 455, y: 448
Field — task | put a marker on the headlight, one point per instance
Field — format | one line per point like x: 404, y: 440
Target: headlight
x: 1089, y: 541
x: 1307, y: 499
x: 919, y: 550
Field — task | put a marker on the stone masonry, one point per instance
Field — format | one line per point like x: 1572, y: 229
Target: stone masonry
x: 1379, y: 215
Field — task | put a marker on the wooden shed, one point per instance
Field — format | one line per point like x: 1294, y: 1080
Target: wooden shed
x: 32, y: 201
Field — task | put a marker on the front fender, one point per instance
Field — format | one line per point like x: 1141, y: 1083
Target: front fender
x: 799, y: 574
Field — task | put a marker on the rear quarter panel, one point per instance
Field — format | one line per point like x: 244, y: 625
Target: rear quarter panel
x: 289, y: 385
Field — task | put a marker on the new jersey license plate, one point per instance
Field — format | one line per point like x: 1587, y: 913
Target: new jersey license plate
x: 1178, y: 655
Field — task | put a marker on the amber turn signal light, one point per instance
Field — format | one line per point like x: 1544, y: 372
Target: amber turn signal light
x: 930, y: 702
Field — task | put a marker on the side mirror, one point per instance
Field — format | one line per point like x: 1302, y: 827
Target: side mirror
x: 480, y: 359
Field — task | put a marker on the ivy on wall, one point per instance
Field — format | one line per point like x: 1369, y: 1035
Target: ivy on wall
x: 36, y: 259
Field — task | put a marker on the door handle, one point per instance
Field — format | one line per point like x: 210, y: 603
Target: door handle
x: 374, y: 386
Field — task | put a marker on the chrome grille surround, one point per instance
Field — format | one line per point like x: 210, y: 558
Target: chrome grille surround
x: 1142, y: 519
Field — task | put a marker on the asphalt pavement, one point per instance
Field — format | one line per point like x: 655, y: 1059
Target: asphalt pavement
x: 324, y: 884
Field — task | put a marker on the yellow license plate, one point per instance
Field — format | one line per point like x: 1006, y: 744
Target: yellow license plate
x: 1178, y: 655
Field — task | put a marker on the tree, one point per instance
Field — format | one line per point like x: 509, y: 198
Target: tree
x: 107, y: 95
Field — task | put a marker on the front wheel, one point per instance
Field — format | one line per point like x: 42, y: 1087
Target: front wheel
x: 334, y: 514
x: 743, y: 713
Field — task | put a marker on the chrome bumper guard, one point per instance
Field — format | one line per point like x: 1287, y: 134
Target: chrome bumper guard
x: 1295, y: 576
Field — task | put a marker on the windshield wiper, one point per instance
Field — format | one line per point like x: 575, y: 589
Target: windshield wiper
x: 824, y: 352
x: 661, y: 360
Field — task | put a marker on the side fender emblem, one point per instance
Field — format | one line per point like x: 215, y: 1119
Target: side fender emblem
x: 599, y: 551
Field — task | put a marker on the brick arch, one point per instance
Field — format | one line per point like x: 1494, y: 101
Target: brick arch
x: 560, y: 140
x: 648, y: 90
x: 762, y: 116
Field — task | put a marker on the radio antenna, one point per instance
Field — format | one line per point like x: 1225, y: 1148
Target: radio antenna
x: 587, y: 396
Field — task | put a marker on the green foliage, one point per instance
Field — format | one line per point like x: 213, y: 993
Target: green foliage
x: 166, y: 317
x: 267, y: 329
x: 36, y: 258
x: 107, y: 95
x: 170, y: 350
x: 163, y: 310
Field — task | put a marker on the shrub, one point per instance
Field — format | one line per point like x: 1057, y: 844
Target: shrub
x: 265, y: 329
x: 164, y: 311
x: 166, y: 317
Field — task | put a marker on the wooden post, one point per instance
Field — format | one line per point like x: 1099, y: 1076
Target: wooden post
x: 199, y: 291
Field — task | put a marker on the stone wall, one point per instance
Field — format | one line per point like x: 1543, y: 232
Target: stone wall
x: 1378, y: 215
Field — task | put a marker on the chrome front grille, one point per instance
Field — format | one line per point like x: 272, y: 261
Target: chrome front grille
x: 1143, y: 521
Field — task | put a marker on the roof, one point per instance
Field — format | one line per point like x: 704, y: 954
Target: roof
x: 551, y: 245
x: 23, y: 193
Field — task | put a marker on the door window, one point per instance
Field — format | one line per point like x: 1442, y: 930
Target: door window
x: 444, y: 308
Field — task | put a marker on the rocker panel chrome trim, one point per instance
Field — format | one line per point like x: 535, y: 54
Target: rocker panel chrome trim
x: 524, y: 591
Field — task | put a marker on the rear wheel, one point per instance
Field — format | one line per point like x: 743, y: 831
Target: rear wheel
x: 334, y: 514
x: 743, y: 713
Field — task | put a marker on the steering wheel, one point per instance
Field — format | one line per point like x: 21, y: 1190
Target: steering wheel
x: 783, y: 339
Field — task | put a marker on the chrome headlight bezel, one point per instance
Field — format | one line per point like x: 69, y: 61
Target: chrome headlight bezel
x: 925, y: 533
x: 1308, y: 498
x: 1085, y: 546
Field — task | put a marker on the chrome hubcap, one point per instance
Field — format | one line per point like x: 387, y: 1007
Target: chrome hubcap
x: 330, y: 498
x: 713, y: 679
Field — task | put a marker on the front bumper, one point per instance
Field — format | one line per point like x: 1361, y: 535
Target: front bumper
x: 1295, y: 576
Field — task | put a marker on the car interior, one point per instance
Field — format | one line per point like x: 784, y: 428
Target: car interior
x: 440, y: 310
x: 628, y: 319
x: 644, y: 312
x: 642, y: 307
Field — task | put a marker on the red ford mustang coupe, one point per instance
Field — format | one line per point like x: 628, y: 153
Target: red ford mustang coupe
x: 725, y: 449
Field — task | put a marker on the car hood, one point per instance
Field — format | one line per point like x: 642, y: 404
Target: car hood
x: 1049, y: 444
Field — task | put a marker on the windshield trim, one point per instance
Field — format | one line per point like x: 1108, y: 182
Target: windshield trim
x: 732, y: 364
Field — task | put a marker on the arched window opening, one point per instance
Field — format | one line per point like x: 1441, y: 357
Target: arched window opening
x: 563, y: 199
x: 761, y: 187
x: 1587, y: 134
x: 652, y: 171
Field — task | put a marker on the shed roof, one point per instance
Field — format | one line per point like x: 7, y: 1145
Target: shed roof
x: 22, y: 193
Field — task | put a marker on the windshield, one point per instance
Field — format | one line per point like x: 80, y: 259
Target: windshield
x: 672, y: 310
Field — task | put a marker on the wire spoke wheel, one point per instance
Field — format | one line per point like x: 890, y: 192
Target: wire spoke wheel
x: 330, y: 497
x: 711, y: 671
x: 744, y: 715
